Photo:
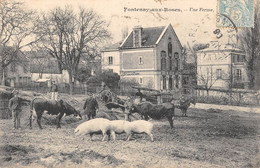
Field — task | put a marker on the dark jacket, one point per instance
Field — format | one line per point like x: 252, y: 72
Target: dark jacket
x: 90, y: 104
x: 15, y: 103
x: 139, y: 94
x: 53, y: 88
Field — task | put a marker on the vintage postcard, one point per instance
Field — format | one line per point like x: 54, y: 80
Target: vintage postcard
x: 130, y: 83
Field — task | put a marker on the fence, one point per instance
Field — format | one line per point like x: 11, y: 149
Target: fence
x: 225, y: 97
x: 45, y: 89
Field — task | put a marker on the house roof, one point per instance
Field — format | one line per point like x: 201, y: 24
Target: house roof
x: 223, y: 47
x: 51, y: 68
x: 149, y: 37
x: 20, y: 58
x: 113, y: 47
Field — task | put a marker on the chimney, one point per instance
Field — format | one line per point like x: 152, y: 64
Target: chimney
x: 214, y: 45
x: 137, y: 31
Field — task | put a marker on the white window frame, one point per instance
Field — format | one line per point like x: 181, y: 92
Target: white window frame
x: 238, y: 73
x: 219, y: 73
x: 112, y: 60
x: 140, y: 60
x: 141, y: 80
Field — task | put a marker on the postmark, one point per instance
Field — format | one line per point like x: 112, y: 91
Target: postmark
x: 235, y: 12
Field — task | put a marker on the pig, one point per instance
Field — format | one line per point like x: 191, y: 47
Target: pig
x: 94, y: 126
x: 138, y: 126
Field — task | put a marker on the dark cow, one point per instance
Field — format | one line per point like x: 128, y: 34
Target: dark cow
x: 154, y: 111
x: 53, y: 107
x: 183, y: 104
x: 90, y: 107
x: 115, y: 105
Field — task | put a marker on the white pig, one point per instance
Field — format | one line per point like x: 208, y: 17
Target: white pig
x: 94, y: 126
x: 138, y: 126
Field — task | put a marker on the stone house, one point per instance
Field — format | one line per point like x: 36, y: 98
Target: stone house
x: 222, y: 66
x: 150, y: 56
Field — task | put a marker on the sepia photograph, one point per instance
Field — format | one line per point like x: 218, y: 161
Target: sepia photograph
x: 130, y: 83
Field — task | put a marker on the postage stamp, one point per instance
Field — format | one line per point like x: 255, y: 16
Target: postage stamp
x: 235, y: 13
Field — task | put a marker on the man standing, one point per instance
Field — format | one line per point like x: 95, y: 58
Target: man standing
x: 139, y: 97
x: 15, y: 105
x: 54, y: 91
x: 91, y: 107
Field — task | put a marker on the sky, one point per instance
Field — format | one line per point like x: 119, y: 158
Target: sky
x: 194, y: 21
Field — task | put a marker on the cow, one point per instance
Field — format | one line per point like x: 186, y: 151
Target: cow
x: 111, y: 105
x: 147, y: 109
x: 53, y: 107
x: 183, y: 104
x: 95, y: 126
x: 90, y: 107
x: 138, y: 126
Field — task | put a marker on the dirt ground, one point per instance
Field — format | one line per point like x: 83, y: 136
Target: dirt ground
x: 206, y: 138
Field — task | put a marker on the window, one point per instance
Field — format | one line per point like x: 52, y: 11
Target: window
x: 170, y: 83
x: 169, y: 49
x: 185, y: 80
x: 13, y: 67
x: 25, y: 69
x: 238, y: 74
x: 219, y: 73
x: 176, y: 56
x: 177, y: 81
x: 163, y: 60
x: 164, y: 82
x: 170, y: 55
x: 141, y: 80
x: 238, y: 58
x: 140, y: 60
x: 20, y: 80
x: 110, y: 60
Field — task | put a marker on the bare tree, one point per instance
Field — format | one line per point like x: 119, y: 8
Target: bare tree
x: 207, y: 79
x: 249, y: 41
x: 124, y: 32
x: 68, y: 36
x: 15, y: 27
x: 40, y: 60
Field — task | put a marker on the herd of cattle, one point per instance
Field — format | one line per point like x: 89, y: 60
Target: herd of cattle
x: 105, y: 126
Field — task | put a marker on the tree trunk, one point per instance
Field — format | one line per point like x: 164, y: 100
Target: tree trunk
x: 3, y: 77
x: 70, y: 82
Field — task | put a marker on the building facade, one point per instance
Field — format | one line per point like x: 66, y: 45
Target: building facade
x: 111, y: 58
x: 222, y: 66
x: 18, y: 73
x: 150, y: 56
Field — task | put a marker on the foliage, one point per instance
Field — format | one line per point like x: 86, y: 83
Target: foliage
x: 249, y: 41
x: 126, y: 87
x: 83, y: 74
x: 111, y: 79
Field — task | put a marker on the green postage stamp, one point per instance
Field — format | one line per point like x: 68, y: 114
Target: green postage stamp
x: 235, y: 13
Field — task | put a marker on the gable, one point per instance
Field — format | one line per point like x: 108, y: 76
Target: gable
x: 170, y: 30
